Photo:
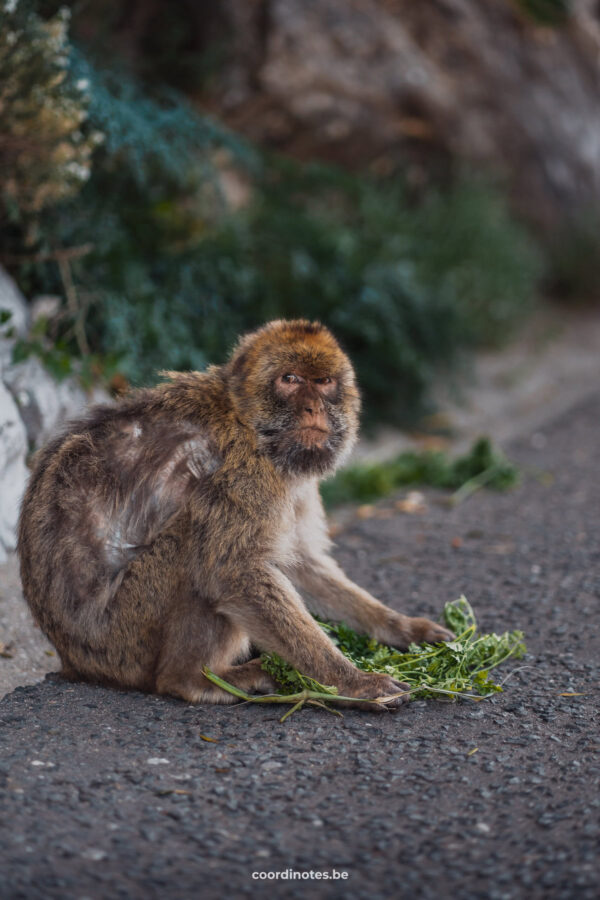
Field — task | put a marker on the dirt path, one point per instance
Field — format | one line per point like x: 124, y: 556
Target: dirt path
x: 26, y: 655
x: 107, y: 794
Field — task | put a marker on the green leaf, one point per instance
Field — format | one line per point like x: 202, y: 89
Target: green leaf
x: 458, y: 667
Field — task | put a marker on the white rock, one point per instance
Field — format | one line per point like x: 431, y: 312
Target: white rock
x: 11, y: 301
x: 45, y: 306
x: 44, y: 403
x: 94, y: 854
x: 32, y: 407
x: 13, y: 472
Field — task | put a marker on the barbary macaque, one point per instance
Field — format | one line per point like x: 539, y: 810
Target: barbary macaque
x: 167, y: 533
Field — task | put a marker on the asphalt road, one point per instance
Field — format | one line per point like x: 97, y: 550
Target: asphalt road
x: 117, y: 795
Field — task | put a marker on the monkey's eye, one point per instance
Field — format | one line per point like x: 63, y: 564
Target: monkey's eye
x: 290, y: 379
x: 325, y: 380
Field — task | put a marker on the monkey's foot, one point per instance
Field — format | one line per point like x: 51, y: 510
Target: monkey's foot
x: 248, y: 677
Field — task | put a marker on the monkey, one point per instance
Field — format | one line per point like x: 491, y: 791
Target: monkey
x: 174, y: 529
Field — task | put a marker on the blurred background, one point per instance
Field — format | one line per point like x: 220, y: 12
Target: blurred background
x: 422, y: 177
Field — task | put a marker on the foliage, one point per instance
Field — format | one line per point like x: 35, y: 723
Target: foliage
x: 45, y: 149
x: 153, y: 135
x: 161, y: 275
x: 458, y: 668
x: 153, y: 191
x: 405, y: 286
x: 290, y: 679
x: 461, y: 666
x: 466, y: 244
x: 58, y: 359
x: 170, y: 287
x: 362, y: 483
x: 182, y: 45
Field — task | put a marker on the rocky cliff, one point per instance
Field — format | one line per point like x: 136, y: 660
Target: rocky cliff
x: 388, y: 82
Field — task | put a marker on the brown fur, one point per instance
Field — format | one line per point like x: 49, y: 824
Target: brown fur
x: 166, y: 533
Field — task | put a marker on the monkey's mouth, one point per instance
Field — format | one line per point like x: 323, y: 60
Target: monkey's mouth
x: 312, y: 435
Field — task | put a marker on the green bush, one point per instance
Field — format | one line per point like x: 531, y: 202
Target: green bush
x: 467, y: 244
x: 168, y: 277
x: 482, y: 466
x: 404, y: 289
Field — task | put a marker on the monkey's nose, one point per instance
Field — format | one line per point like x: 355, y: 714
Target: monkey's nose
x: 309, y: 409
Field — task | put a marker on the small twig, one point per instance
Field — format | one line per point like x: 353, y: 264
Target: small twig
x: 472, y: 485
x: 318, y: 703
x: 292, y: 709
x: 47, y: 255
x: 63, y: 257
x: 487, y: 668
x: 318, y: 699
x: 434, y: 690
x: 297, y: 700
x: 510, y: 674
x: 75, y: 309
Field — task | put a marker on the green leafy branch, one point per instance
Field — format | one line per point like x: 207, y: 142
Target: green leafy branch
x: 455, y: 669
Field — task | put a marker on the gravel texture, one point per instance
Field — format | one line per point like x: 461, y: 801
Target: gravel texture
x: 106, y: 794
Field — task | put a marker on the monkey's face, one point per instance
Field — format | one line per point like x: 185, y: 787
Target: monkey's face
x: 300, y: 395
x: 306, y: 429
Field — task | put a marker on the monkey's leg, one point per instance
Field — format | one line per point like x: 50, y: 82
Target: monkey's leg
x: 264, y: 604
x: 334, y: 596
x: 114, y: 635
x: 196, y: 636
x: 250, y: 677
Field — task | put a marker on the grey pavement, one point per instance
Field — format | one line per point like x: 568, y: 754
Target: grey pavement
x: 108, y: 794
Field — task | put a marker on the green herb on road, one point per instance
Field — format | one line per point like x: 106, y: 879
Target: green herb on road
x: 483, y: 465
x: 458, y: 668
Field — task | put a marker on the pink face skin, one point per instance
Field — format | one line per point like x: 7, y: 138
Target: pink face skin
x: 291, y: 382
x: 306, y: 396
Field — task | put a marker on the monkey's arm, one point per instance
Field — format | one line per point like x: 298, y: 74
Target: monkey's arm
x: 264, y: 603
x: 333, y: 595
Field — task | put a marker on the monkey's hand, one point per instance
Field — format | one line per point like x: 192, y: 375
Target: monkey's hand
x: 400, y: 631
x: 389, y: 693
